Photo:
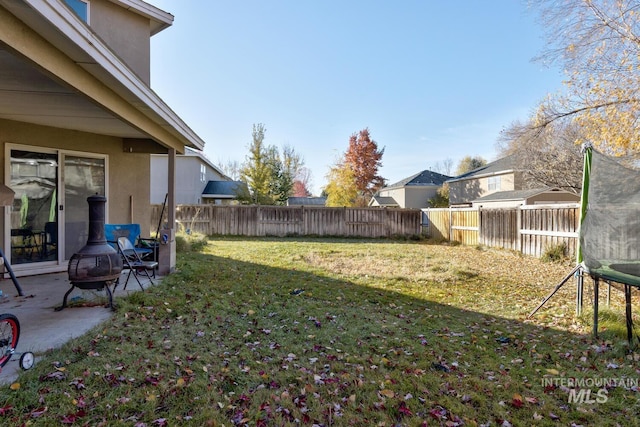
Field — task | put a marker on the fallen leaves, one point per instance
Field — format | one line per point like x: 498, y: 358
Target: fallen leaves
x: 391, y: 348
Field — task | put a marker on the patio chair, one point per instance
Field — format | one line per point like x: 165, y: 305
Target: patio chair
x: 144, y: 247
x: 132, y: 262
x: 50, y: 244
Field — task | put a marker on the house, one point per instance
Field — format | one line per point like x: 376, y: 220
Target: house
x: 198, y: 180
x: 78, y: 117
x: 410, y: 193
x: 501, y: 184
x: 384, y: 202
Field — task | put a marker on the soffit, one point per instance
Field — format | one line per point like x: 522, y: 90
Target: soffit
x: 28, y: 95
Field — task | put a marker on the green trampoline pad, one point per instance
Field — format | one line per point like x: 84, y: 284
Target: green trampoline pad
x: 625, y: 272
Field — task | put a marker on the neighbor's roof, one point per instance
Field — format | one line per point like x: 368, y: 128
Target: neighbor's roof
x: 425, y: 178
x: 519, y: 195
x: 384, y: 201
x: 222, y: 189
x: 306, y: 201
x: 504, y: 165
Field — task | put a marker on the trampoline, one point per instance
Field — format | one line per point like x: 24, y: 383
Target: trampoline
x: 609, y: 246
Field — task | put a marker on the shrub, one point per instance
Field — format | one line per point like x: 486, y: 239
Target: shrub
x: 190, y: 242
x: 555, y: 253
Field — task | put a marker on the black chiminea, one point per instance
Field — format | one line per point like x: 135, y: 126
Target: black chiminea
x: 96, y: 265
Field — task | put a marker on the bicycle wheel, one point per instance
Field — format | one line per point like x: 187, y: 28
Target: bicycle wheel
x: 9, y: 334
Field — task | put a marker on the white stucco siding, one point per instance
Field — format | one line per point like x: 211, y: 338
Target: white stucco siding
x: 158, y: 178
x: 190, y: 180
x: 192, y: 176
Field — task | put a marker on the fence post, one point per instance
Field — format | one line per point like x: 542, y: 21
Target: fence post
x: 480, y: 240
x: 519, y: 214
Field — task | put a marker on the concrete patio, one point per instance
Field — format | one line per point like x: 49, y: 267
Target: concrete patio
x: 41, y: 327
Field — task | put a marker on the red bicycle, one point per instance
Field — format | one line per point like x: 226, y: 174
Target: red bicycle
x: 9, y: 336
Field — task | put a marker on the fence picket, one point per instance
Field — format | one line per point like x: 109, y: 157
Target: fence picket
x: 295, y: 220
x: 530, y: 229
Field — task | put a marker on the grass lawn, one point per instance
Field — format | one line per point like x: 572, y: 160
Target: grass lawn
x: 279, y: 332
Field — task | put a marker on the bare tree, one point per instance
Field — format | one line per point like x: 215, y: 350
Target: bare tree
x: 445, y: 167
x: 230, y: 168
x: 547, y: 156
x: 597, y: 42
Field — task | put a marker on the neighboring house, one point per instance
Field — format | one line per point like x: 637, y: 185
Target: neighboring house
x: 501, y: 184
x: 223, y: 192
x: 383, y: 202
x: 78, y: 117
x: 198, y: 180
x: 410, y: 193
x: 306, y: 201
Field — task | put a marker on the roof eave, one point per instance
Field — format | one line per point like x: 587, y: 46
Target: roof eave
x: 160, y: 20
x: 98, y: 60
x: 218, y: 196
x: 483, y: 175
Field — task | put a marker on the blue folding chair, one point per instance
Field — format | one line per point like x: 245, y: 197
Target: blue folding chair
x: 144, y: 248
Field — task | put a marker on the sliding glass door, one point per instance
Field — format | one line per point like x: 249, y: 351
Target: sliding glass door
x: 83, y: 177
x: 50, y: 202
x: 34, y: 179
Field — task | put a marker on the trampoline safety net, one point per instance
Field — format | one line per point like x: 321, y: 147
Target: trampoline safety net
x: 610, y: 227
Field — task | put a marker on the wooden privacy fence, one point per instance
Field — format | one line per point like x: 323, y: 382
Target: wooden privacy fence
x: 529, y: 229
x: 294, y: 221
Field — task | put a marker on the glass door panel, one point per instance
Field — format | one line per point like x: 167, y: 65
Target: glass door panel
x: 82, y: 177
x: 34, y: 178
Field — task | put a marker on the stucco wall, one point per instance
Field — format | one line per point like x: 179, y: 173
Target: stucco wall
x: 470, y: 189
x: 411, y: 197
x: 396, y: 193
x: 125, y: 32
x: 418, y: 197
x: 128, y: 173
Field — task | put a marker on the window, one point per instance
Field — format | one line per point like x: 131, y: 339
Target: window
x: 80, y: 7
x: 203, y: 173
x: 494, y: 183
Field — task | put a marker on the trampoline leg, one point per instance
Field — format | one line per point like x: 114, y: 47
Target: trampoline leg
x: 608, y: 294
x: 579, y: 294
x: 596, y: 285
x: 627, y: 300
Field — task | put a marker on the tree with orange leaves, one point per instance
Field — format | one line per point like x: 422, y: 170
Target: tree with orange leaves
x: 354, y: 178
x: 364, y: 158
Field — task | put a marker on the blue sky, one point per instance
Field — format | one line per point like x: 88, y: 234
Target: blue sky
x: 432, y: 80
